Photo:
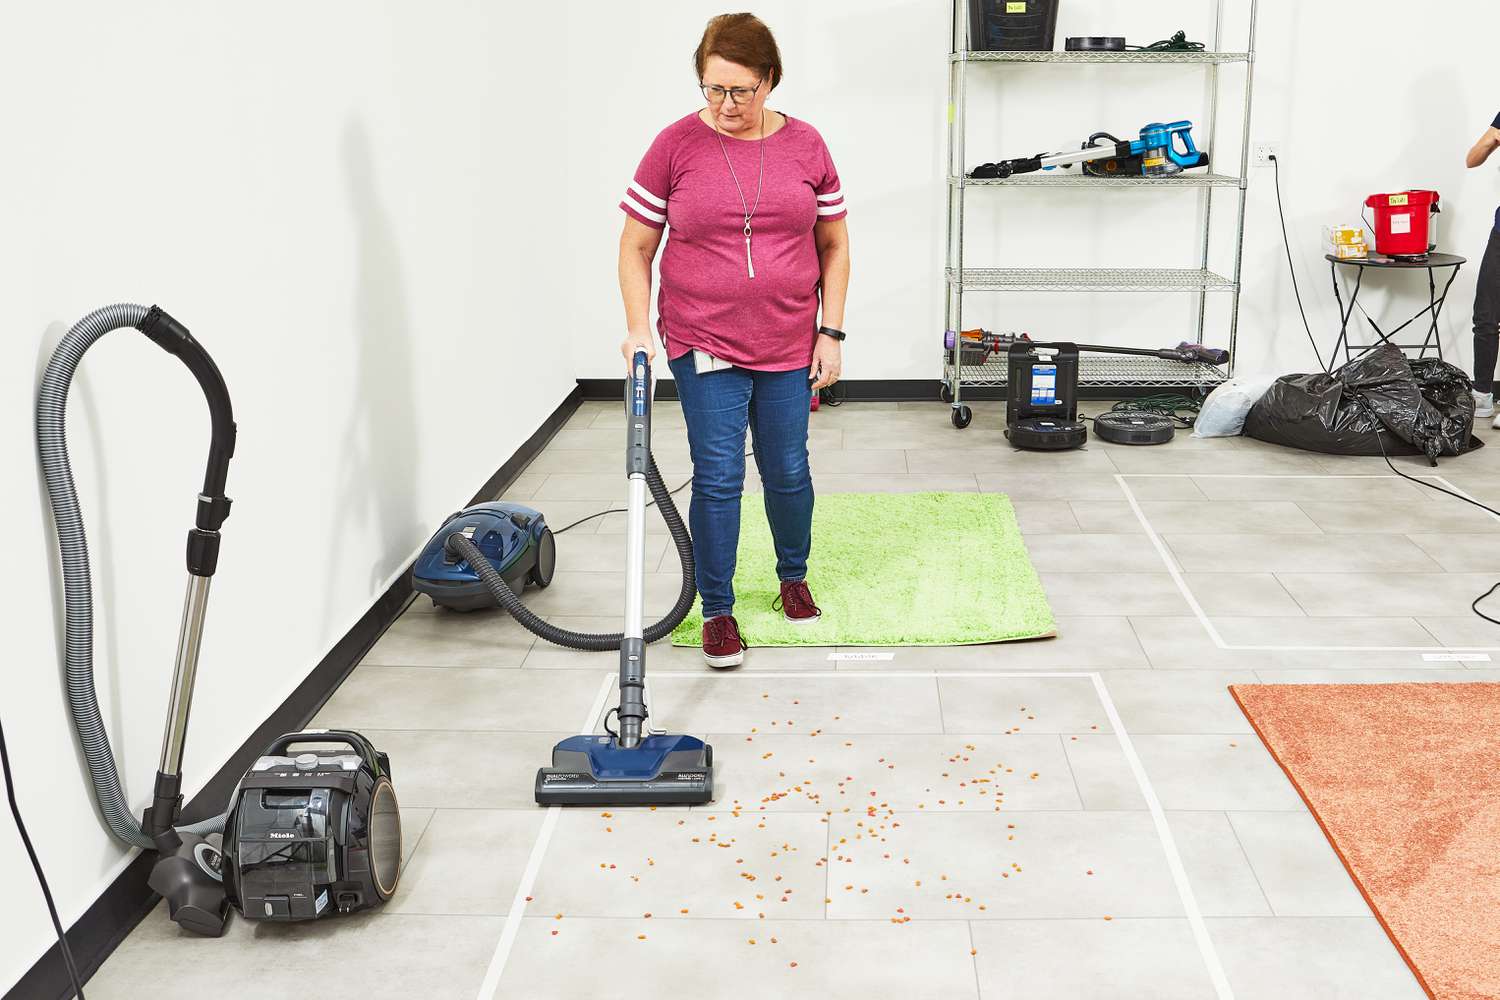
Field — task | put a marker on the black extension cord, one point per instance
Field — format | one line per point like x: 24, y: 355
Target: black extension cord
x: 1291, y: 269
x: 1177, y: 43
x: 36, y: 865
x: 1379, y: 427
x: 1379, y: 430
x: 621, y: 510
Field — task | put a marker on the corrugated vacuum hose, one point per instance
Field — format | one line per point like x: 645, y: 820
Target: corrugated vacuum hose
x: 594, y: 641
x: 203, y: 541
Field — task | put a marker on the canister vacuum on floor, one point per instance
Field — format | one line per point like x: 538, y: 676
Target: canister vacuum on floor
x: 483, y: 555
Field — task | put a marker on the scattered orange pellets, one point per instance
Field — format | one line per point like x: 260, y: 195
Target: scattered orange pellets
x: 554, y: 933
x: 646, y: 915
x: 640, y: 937
x: 794, y: 965
x: 528, y: 899
x: 1108, y: 917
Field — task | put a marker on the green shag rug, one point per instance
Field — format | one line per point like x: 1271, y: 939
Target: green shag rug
x: 907, y: 569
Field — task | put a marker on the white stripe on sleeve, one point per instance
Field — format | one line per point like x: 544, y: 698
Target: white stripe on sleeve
x: 831, y: 209
x: 635, y: 203
x: 833, y: 195
x: 646, y: 196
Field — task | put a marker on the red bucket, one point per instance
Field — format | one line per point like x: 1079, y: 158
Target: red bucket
x: 1403, y: 223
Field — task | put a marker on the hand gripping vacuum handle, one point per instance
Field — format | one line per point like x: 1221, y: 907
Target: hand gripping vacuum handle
x: 632, y: 710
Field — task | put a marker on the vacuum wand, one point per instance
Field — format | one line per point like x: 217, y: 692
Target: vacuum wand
x: 632, y: 710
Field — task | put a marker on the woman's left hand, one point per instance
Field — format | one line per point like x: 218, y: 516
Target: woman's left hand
x: 827, y: 362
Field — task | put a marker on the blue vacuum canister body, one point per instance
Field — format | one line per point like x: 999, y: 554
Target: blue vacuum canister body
x: 515, y: 539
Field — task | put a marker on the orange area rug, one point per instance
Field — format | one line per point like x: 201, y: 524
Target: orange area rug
x: 1405, y: 781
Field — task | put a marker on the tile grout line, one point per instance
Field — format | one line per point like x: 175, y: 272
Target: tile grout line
x: 420, y: 837
x: 1068, y: 761
x: 491, y: 982
x: 974, y: 960
x: 1235, y: 833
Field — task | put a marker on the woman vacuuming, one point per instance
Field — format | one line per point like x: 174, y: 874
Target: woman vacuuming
x: 757, y: 232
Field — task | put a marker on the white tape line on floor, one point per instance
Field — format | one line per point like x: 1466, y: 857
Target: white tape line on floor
x: 1206, y: 950
x: 1197, y: 609
x: 534, y: 865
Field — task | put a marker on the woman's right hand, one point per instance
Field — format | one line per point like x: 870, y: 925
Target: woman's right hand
x: 638, y: 341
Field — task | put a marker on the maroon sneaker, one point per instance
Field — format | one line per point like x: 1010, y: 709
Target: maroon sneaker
x: 796, y: 603
x: 722, y: 645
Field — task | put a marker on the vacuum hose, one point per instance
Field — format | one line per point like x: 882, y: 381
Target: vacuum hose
x: 52, y: 442
x: 593, y: 641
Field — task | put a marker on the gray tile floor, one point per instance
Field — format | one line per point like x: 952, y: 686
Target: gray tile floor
x: 913, y: 827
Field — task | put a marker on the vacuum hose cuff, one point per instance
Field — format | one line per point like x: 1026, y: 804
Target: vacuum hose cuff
x: 594, y: 641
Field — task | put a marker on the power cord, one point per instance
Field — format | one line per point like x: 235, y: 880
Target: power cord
x: 1177, y: 43
x: 1166, y: 403
x: 649, y: 504
x: 1381, y: 429
x: 36, y: 865
x: 1291, y: 269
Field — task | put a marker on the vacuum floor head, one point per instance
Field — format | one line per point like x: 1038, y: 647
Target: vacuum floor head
x: 595, y: 770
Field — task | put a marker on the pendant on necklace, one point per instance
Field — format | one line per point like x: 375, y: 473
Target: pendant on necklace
x: 749, y: 264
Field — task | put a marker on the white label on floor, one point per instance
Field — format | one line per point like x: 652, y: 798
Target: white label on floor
x: 1456, y: 657
x: 861, y: 656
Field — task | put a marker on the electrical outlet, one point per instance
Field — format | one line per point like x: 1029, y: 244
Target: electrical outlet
x: 1264, y: 152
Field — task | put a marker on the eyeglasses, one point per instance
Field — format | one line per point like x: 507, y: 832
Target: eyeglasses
x: 737, y: 95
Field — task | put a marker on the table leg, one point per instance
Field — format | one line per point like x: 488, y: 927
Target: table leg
x: 1437, y: 308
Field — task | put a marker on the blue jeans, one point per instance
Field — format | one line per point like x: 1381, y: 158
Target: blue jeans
x: 718, y: 406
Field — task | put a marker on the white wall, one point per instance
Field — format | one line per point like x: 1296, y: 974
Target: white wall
x: 350, y: 205
x: 1362, y: 99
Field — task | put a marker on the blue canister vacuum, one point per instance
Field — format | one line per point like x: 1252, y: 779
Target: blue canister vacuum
x: 485, y: 554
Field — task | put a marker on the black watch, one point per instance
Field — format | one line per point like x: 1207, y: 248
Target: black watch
x: 829, y: 331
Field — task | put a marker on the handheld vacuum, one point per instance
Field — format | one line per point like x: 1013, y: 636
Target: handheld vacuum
x: 316, y: 828
x: 494, y: 548
x: 1155, y: 154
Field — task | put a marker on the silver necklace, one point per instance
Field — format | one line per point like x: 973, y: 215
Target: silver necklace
x: 748, y: 208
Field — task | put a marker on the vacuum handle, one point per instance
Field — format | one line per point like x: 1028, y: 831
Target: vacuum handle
x: 213, y: 505
x: 348, y: 737
x: 638, y: 416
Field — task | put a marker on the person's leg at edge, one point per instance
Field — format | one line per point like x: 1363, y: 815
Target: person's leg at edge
x: 778, y: 426
x: 1487, y: 317
x: 715, y: 406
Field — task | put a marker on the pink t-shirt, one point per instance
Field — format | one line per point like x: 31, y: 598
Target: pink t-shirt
x: 708, y: 300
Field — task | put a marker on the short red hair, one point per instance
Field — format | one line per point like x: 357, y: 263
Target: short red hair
x: 743, y: 39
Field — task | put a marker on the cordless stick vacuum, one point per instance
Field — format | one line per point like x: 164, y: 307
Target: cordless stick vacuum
x: 634, y: 765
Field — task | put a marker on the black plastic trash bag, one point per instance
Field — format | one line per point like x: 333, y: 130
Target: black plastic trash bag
x: 1423, y: 407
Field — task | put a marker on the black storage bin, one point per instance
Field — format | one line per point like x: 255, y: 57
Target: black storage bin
x: 1012, y: 25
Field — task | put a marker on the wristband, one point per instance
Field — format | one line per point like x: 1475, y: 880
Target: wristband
x: 829, y: 331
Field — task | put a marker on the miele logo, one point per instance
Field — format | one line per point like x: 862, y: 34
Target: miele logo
x: 281, y: 836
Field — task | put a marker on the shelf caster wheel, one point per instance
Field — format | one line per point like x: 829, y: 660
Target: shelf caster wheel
x: 962, y: 415
x: 945, y: 393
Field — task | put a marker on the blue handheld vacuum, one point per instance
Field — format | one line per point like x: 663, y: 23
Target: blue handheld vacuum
x: 484, y: 554
x: 1155, y: 154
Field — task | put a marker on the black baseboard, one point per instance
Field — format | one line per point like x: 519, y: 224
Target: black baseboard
x: 127, y: 901
x: 891, y: 390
